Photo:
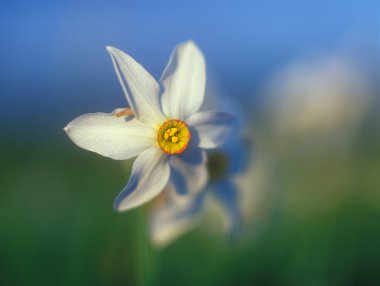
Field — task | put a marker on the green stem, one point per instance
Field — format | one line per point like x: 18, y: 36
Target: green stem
x: 145, y: 254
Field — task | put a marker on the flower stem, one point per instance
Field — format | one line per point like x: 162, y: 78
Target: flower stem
x: 145, y: 273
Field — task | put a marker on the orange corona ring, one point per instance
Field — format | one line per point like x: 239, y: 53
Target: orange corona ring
x: 173, y: 136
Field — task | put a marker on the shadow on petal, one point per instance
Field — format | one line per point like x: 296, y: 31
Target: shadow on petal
x: 227, y: 194
x: 192, y: 155
x: 128, y: 189
x: 178, y: 181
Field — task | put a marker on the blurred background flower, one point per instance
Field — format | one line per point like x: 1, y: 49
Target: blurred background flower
x: 176, y: 214
x: 306, y: 75
x: 321, y: 101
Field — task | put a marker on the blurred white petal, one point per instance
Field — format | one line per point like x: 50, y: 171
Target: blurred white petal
x: 212, y: 127
x: 176, y: 215
x: 189, y: 172
x: 228, y: 197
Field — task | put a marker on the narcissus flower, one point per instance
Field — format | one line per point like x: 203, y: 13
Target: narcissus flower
x: 161, y: 127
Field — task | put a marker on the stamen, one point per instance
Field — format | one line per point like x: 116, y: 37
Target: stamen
x: 125, y: 112
x: 173, y: 131
x: 175, y: 139
x: 173, y: 136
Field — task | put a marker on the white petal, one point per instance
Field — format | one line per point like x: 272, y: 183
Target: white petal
x: 189, y: 173
x: 140, y: 88
x: 212, y: 128
x: 176, y: 215
x: 228, y: 196
x: 150, y: 174
x: 183, y: 81
x: 114, y: 137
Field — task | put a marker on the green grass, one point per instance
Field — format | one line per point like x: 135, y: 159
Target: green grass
x: 57, y: 225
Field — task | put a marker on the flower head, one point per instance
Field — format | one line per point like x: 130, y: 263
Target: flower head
x: 161, y: 126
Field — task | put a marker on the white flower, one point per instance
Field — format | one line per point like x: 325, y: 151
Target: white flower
x: 162, y: 127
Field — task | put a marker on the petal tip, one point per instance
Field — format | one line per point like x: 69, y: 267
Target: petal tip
x: 192, y: 46
x: 112, y: 50
x: 116, y: 208
x: 189, y: 42
x: 117, y: 205
x: 109, y: 48
x: 67, y: 128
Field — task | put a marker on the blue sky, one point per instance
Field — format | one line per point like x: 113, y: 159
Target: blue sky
x: 53, y: 55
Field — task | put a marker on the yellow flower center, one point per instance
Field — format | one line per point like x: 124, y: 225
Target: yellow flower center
x: 173, y: 136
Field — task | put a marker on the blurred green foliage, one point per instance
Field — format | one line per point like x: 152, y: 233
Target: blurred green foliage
x: 319, y: 224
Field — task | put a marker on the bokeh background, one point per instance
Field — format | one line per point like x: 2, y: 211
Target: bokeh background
x: 306, y: 75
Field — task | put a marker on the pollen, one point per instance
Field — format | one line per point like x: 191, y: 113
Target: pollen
x: 173, y: 136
